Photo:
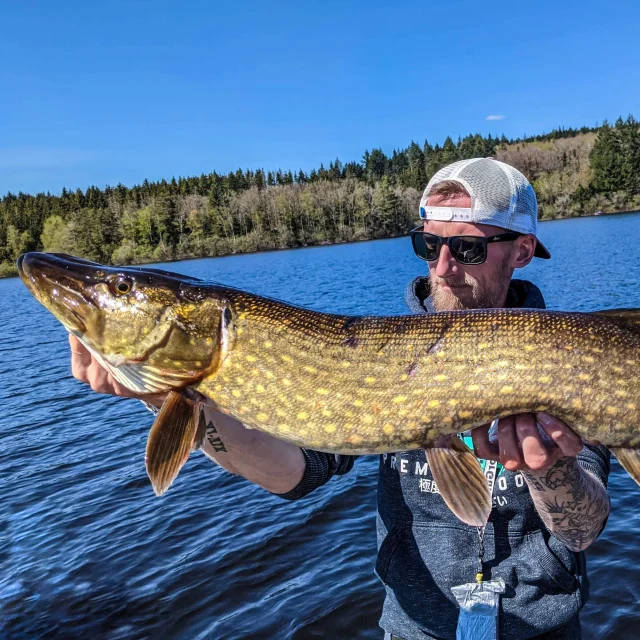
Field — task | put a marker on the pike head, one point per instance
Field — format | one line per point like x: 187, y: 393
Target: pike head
x: 153, y: 330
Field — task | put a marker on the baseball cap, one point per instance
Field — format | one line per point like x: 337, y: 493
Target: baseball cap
x: 500, y: 196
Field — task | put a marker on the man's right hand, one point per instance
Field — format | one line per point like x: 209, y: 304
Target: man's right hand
x: 86, y: 368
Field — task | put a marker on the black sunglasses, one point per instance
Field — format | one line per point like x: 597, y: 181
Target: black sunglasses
x: 465, y: 249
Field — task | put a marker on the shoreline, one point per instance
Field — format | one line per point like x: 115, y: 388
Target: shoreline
x: 327, y: 243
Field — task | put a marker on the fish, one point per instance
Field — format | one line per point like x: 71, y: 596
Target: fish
x: 345, y: 384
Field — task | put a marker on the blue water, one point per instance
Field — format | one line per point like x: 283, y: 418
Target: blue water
x: 87, y: 551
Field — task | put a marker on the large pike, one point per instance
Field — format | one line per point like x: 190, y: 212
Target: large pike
x: 346, y: 384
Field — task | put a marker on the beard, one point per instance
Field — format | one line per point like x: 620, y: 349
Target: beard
x: 468, y: 293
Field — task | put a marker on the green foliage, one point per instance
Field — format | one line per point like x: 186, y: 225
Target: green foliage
x: 573, y: 171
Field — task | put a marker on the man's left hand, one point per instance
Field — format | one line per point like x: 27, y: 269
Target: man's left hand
x: 520, y: 446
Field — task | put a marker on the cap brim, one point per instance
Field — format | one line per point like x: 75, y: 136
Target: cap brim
x: 541, y: 251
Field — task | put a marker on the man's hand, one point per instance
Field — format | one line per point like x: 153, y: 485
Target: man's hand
x: 520, y: 446
x: 86, y: 368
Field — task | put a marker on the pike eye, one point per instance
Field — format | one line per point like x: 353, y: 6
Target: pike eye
x: 122, y: 286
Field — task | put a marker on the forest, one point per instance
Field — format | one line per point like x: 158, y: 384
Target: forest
x: 573, y: 171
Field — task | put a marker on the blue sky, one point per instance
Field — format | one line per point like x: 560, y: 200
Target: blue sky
x: 118, y: 91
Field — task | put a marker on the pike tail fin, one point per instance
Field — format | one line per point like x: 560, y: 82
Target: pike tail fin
x: 460, y: 481
x: 174, y: 434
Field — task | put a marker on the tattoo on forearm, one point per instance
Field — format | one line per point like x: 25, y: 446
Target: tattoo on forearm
x: 214, y: 439
x: 571, y: 502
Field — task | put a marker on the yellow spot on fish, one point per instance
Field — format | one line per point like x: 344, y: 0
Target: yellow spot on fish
x: 417, y: 392
x: 260, y: 388
x: 400, y: 399
x: 286, y: 382
x: 240, y: 380
x: 355, y: 439
x: 300, y: 398
x: 403, y: 412
x: 218, y: 387
x: 322, y: 392
x: 369, y: 379
x: 447, y: 420
x: 433, y: 403
x: 590, y: 417
x: 544, y: 379
x: 631, y: 406
x: 631, y: 363
x: 368, y: 419
x: 198, y: 363
x: 262, y: 417
x: 236, y: 393
x: 441, y: 377
x: 465, y: 414
x: 529, y: 347
x: 330, y: 428
x: 479, y: 370
x: 584, y: 376
x: 404, y: 377
x: 302, y: 415
x: 178, y: 363
x: 280, y: 413
x: 268, y: 344
x: 441, y: 354
x: 597, y: 350
x: 310, y: 369
x: 388, y: 429
x: 453, y: 402
x: 358, y: 402
x: 286, y: 358
x: 269, y: 375
x: 612, y: 411
x: 346, y: 363
x: 250, y: 358
x: 326, y: 413
x: 589, y: 359
x: 483, y: 345
x: 621, y: 393
x: 457, y: 384
x: 506, y: 389
x: 473, y: 387
x: 576, y: 403
x: 349, y: 426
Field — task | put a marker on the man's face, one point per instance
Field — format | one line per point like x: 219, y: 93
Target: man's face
x: 458, y: 286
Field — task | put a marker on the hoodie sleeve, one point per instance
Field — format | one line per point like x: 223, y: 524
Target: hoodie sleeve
x: 320, y: 468
x: 597, y: 460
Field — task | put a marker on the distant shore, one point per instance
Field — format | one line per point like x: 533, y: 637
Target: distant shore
x: 5, y: 267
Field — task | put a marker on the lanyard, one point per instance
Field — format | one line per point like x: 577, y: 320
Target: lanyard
x: 490, y: 472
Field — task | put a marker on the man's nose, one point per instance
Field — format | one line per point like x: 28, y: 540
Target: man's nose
x: 446, y: 265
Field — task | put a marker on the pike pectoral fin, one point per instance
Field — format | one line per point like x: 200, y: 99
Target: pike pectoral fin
x: 630, y: 460
x: 460, y: 481
x: 171, y: 439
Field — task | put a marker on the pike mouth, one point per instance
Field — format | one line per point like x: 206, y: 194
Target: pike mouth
x: 56, y: 287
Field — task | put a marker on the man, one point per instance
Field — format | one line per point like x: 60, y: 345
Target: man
x: 550, y: 499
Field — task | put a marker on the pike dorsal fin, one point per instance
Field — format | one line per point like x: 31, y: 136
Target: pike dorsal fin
x: 629, y: 317
x: 173, y: 436
x: 630, y: 460
x: 460, y: 481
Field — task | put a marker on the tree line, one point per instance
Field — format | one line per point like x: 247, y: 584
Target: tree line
x: 572, y: 171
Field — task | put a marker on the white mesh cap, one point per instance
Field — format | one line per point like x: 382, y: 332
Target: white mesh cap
x: 500, y: 196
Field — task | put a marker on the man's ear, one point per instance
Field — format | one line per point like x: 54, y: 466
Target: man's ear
x: 523, y: 250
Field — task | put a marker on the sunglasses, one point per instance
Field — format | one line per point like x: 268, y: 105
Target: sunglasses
x: 465, y: 249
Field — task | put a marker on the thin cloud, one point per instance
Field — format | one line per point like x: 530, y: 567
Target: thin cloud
x: 494, y: 118
x: 40, y: 157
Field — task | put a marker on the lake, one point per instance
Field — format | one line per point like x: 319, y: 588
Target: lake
x: 87, y: 550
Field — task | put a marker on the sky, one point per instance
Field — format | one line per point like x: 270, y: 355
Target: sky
x: 101, y: 93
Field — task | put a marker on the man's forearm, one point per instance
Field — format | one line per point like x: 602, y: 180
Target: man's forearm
x: 273, y: 464
x: 572, y: 502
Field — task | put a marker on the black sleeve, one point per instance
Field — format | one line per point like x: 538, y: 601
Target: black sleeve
x: 597, y: 459
x: 320, y: 468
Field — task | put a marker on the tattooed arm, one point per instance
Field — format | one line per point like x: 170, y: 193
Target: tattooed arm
x: 571, y: 501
